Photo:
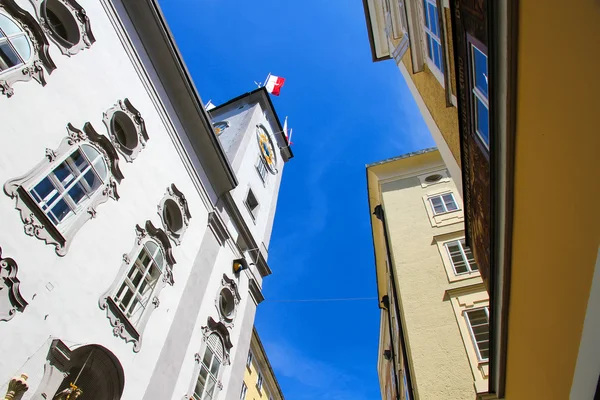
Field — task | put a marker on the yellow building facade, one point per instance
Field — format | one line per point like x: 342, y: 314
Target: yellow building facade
x: 434, y: 339
x: 526, y: 133
x: 260, y: 382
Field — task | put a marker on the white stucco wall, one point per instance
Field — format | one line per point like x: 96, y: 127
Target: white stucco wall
x: 63, y: 292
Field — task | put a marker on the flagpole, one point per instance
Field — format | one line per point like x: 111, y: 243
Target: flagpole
x: 266, y: 80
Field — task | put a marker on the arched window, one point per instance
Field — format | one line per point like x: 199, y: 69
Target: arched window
x: 15, y: 45
x: 211, y: 360
x: 138, y: 286
x: 210, y: 364
x: 63, y: 191
x: 23, y: 48
x: 66, y: 23
x: 135, y: 292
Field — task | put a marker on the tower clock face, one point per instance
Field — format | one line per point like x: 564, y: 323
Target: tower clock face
x: 266, y: 149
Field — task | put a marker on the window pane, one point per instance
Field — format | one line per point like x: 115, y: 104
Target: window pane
x: 438, y: 206
x: 429, y: 40
x: 457, y: 258
x: 21, y: 44
x: 449, y: 202
x: 61, y: 210
x: 425, y: 14
x: 159, y: 259
x: 101, y: 168
x: 433, y: 19
x: 77, y: 193
x: 79, y: 161
x: 482, y: 121
x: 92, y: 180
x: 437, y: 54
x: 214, y: 368
x: 7, y: 26
x: 480, y: 71
x: 44, y: 192
x: 479, y: 323
x: 8, y: 57
x: 63, y: 173
x: 208, y: 356
x: 151, y: 247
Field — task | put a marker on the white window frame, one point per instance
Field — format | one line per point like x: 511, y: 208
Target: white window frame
x: 477, y: 94
x: 132, y: 331
x: 37, y: 222
x: 249, y: 359
x: 209, y: 370
x: 461, y: 244
x: 259, y: 381
x: 439, y: 73
x: 39, y: 60
x: 441, y: 196
x: 78, y: 16
x: 243, y: 392
x: 477, y: 351
x: 218, y: 328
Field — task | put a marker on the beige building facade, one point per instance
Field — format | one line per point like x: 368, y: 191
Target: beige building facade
x: 260, y: 382
x: 434, y: 339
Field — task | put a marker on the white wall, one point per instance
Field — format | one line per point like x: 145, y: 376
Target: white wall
x: 78, y: 91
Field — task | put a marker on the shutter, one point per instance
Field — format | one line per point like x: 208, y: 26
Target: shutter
x: 216, y: 345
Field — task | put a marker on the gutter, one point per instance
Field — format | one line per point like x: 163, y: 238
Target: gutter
x: 139, y: 11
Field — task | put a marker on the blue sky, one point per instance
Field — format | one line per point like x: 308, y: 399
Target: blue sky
x: 346, y: 112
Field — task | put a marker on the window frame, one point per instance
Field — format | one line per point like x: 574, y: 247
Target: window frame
x: 222, y: 331
x: 80, y: 18
x: 39, y: 61
x: 243, y: 391
x: 462, y: 245
x: 172, y: 193
x: 475, y: 94
x: 249, y: 359
x: 472, y: 334
x: 260, y: 380
x: 229, y: 285
x: 441, y: 196
x: 36, y: 221
x: 253, y: 211
x: 127, y: 109
x: 437, y: 38
x: 122, y: 325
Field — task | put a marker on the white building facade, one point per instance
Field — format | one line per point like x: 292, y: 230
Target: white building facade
x: 135, y: 224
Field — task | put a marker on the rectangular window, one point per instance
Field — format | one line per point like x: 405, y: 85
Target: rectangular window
x: 207, y: 378
x: 249, y: 359
x: 479, y: 325
x: 479, y: 69
x: 251, y: 203
x: 443, y: 203
x: 261, y: 168
x: 432, y: 34
x: 461, y: 257
x: 244, y: 389
x: 259, y: 381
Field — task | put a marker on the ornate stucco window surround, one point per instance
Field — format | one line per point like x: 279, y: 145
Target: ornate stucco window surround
x: 63, y: 191
x: 126, y: 129
x: 227, y: 300
x: 174, y: 213
x: 66, y: 23
x: 134, y: 294
x: 24, y: 47
x: 214, y: 355
x: 11, y: 300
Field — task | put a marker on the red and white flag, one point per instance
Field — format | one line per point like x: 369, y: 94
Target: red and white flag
x: 274, y: 84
